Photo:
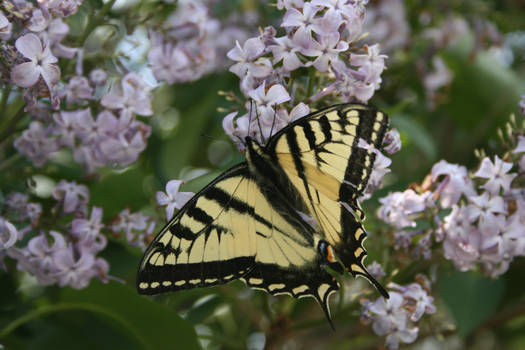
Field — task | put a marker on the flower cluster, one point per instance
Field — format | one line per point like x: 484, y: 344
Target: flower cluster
x: 68, y: 257
x: 395, y: 317
x: 106, y: 140
x: 137, y: 227
x: 34, y: 45
x: 478, y: 216
x: 391, y: 145
x: 191, y: 43
x: 316, y: 43
x: 387, y: 24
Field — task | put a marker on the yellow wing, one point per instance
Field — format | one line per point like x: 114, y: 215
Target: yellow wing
x: 234, y: 229
x: 323, y: 158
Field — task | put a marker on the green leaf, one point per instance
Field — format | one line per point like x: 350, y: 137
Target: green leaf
x: 470, y: 297
x: 150, y: 324
x: 416, y: 133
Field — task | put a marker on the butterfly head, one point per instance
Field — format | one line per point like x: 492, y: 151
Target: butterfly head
x: 253, y: 149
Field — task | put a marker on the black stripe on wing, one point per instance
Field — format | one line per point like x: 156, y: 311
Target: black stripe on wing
x: 160, y: 271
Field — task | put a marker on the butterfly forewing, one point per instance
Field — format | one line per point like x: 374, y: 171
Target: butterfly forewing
x: 231, y: 230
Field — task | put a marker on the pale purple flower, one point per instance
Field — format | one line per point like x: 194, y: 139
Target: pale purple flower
x: 391, y: 320
x: 131, y: 96
x: 38, y: 21
x: 392, y: 142
x: 74, y: 197
x: 380, y: 169
x: 418, y: 301
x: 17, y: 201
x: 287, y: 4
x: 439, y: 77
x: 368, y: 75
x: 453, y: 28
x: 404, y: 335
x: 67, y: 124
x: 514, y: 232
x: 126, y: 147
x: 454, y: 185
x: 391, y: 312
x: 63, y: 8
x: 5, y: 27
x: 170, y: 63
x: 488, y: 210
x: 34, y: 211
x: 387, y: 24
x: 399, y: 208
x: 73, y: 271
x: 303, y: 20
x: 462, y: 241
x: 376, y: 270
x: 36, y: 143
x: 128, y: 222
x: 173, y: 199
x: 285, y: 50
x: 325, y: 51
x: 91, y: 131
x: 496, y: 174
x: 284, y: 118
x: 8, y: 234
x: 87, y: 230
x: 373, y: 60
x: 520, y: 148
x: 521, y: 104
x: 239, y: 131
x: 98, y: 76
x: 266, y: 101
x: 330, y: 23
x: 42, y: 63
x: 246, y: 55
x: 78, y: 90
x: 42, y: 253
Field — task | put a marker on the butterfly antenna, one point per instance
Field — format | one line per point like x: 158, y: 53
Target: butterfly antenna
x: 273, y: 121
x: 260, y: 127
x: 250, y: 116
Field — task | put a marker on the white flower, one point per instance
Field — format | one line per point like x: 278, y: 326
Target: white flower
x: 454, y: 185
x: 42, y: 63
x: 496, y: 175
x: 392, y: 141
x: 252, y: 49
x: 266, y: 101
x: 520, y: 148
x: 173, y: 199
x: 8, y: 234
x: 398, y: 208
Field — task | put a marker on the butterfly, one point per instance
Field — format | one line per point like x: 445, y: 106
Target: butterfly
x: 248, y: 224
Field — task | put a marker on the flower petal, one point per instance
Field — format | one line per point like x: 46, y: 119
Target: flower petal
x: 25, y: 74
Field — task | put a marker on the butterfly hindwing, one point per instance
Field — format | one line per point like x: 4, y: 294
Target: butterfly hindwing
x: 328, y: 157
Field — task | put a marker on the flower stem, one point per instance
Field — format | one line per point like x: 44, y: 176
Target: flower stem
x: 11, y: 126
x: 93, y: 22
x: 5, y: 97
x: 50, y: 309
x: 311, y: 78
